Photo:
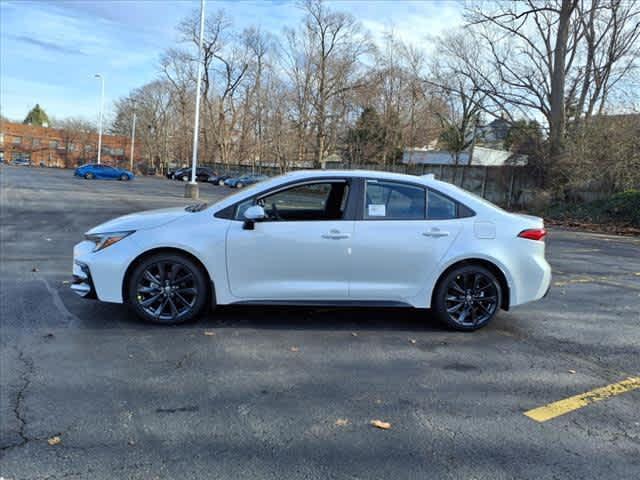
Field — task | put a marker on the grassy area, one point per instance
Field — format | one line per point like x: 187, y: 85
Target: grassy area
x: 619, y: 210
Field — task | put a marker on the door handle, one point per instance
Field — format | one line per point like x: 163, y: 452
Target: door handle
x: 435, y: 233
x: 335, y: 235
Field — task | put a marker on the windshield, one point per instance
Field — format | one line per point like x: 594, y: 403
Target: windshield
x: 248, y: 191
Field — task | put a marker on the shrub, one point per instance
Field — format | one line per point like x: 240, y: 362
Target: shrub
x: 624, y: 206
x: 621, y: 208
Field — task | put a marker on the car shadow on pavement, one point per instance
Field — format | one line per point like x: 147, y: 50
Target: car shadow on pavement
x: 97, y: 315
x: 326, y: 318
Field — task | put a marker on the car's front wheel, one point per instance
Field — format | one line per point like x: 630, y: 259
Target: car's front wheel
x: 239, y: 185
x: 89, y: 176
x: 221, y: 183
x: 467, y: 298
x: 124, y: 177
x: 168, y: 288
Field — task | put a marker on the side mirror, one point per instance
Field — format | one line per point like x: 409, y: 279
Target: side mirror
x: 253, y: 214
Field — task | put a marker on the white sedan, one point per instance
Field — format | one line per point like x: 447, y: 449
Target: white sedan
x: 340, y: 238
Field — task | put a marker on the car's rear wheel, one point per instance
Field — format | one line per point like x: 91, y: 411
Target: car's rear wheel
x: 467, y: 298
x: 185, y: 178
x: 168, y: 288
x: 239, y: 185
x: 221, y: 183
x: 124, y: 177
x: 89, y: 176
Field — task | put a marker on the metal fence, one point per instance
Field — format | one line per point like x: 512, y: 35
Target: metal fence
x: 510, y: 186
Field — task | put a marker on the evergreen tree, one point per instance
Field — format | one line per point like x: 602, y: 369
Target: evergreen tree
x: 365, y: 140
x: 37, y: 116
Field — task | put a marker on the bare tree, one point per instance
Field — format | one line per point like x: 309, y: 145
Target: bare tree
x: 611, y: 51
x: 338, y: 43
x: 455, y: 78
x: 560, y: 58
x: 178, y: 68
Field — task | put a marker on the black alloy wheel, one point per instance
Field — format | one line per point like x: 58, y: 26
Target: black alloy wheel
x: 468, y: 298
x: 168, y: 289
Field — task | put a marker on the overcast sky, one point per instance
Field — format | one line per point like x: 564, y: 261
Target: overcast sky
x: 50, y: 50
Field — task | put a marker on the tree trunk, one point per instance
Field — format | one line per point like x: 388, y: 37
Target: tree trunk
x: 557, y: 119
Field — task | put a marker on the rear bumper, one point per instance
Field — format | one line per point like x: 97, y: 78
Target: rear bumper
x: 533, y: 281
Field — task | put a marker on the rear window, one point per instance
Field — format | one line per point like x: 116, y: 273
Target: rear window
x: 442, y: 207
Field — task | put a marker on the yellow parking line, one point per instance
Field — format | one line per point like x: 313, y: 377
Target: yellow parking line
x: 555, y: 409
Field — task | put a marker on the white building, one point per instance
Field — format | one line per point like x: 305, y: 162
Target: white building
x: 481, y: 156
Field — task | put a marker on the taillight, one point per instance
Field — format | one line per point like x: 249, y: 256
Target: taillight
x: 533, y: 234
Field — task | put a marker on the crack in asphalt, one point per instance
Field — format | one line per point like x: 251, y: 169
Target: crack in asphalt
x: 19, y: 401
x: 59, y: 304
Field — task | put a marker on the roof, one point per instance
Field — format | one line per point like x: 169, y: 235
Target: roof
x: 352, y: 173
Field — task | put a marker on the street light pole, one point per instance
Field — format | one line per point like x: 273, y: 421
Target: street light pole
x: 97, y: 75
x: 191, y: 190
x: 133, y: 138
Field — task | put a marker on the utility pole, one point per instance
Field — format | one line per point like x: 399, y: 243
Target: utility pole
x: 133, y: 138
x: 191, y: 189
x: 98, y: 75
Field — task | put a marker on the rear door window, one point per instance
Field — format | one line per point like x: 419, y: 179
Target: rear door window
x: 394, y: 201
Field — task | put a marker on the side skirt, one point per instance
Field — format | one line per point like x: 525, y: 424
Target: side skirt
x: 326, y: 303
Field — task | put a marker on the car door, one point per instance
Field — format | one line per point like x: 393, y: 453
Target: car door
x: 111, y: 173
x: 395, y: 246
x: 201, y: 175
x: 98, y: 171
x: 300, y: 251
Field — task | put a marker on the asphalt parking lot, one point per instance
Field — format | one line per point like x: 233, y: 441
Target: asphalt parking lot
x: 87, y: 391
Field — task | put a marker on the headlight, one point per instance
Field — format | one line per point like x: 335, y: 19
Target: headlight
x: 104, y: 240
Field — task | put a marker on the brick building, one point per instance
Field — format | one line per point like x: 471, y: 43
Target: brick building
x: 54, y: 147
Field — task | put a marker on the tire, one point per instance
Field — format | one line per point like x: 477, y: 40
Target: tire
x: 124, y: 177
x: 89, y: 176
x: 161, y: 301
x: 221, y: 183
x: 185, y: 178
x: 467, y: 298
x: 239, y: 185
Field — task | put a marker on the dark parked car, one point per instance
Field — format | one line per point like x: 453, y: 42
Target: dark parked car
x: 106, y: 172
x: 22, y: 162
x: 202, y: 174
x: 172, y: 171
x: 244, y: 180
x: 219, y: 179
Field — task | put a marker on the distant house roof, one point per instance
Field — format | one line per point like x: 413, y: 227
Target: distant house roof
x: 494, y: 132
x: 481, y: 156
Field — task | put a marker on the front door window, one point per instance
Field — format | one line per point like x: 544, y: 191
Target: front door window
x: 308, y: 202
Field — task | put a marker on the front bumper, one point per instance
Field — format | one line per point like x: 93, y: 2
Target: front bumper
x: 81, y: 282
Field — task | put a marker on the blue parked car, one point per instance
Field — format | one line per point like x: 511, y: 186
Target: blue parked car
x: 94, y: 170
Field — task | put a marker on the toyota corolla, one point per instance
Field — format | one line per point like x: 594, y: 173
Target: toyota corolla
x: 340, y: 238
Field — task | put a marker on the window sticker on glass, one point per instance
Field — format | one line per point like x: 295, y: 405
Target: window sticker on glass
x: 377, y: 210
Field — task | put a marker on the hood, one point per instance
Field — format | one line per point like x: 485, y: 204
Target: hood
x: 141, y: 220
